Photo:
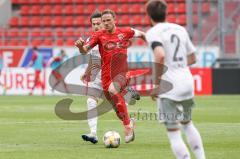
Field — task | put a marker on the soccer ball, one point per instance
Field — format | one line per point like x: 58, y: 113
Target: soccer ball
x: 111, y: 139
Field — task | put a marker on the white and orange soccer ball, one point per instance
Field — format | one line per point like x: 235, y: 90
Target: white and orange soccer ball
x: 111, y: 139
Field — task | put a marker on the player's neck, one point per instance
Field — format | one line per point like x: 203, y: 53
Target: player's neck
x: 155, y: 23
x: 112, y: 30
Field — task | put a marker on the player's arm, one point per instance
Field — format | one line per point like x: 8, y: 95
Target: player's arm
x: 139, y: 34
x: 34, y: 57
x: 191, y: 59
x: 86, y: 75
x: 159, y: 57
x: 83, y: 49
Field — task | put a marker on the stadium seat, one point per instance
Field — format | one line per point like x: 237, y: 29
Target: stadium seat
x: 79, y: 9
x: 113, y: 7
x: 12, y: 33
x: 89, y: 9
x: 36, y: 33
x: 36, y: 42
x: 171, y: 18
x: 23, y: 42
x: 46, y: 10
x: 180, y: 8
x: 35, y: 10
x: 57, y: 21
x: 68, y: 21
x: 46, y: 21
x: 24, y: 21
x: 68, y: 10
x: 171, y: 8
x: 57, y: 10
x: 47, y: 42
x: 59, y: 42
x: 14, y: 22
x: 70, y: 42
x: 35, y: 21
x: 136, y: 20
x: 24, y: 10
x: 182, y: 20
x: 46, y: 33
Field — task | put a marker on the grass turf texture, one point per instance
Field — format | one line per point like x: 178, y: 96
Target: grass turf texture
x: 29, y: 129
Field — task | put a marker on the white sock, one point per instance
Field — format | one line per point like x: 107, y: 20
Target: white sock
x: 92, y: 123
x: 194, y: 140
x: 178, y: 146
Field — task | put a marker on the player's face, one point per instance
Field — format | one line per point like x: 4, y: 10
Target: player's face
x: 108, y: 22
x: 96, y: 24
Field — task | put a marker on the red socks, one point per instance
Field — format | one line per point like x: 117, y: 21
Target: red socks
x: 121, y: 108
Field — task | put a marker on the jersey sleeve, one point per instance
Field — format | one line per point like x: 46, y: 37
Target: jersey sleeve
x: 189, y: 45
x: 93, y: 40
x: 153, y: 39
x: 129, y: 32
x: 34, y: 57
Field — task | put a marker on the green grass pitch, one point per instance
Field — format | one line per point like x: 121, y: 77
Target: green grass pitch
x: 29, y: 129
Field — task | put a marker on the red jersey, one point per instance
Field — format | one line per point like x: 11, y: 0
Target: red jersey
x: 113, y: 51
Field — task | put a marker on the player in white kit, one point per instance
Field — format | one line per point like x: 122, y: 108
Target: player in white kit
x: 173, y: 48
x: 92, y: 78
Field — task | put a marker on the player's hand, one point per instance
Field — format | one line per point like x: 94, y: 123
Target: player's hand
x: 154, y: 94
x: 85, y: 78
x: 79, y: 43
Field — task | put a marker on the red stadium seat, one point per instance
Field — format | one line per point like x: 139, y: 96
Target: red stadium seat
x: 36, y: 42
x: 79, y: 9
x: 171, y: 18
x: 47, y: 42
x: 24, y: 21
x: 171, y: 8
x: 137, y: 20
x: 57, y: 10
x: 10, y: 42
x: 59, y: 42
x: 46, y: 10
x: 181, y: 8
x: 24, y: 10
x: 124, y: 8
x: 68, y: 21
x: 68, y: 33
x: 68, y: 10
x: 70, y: 42
x: 35, y: 21
x: 46, y: 21
x: 57, y: 21
x: 23, y: 42
x: 14, y: 22
x: 35, y: 10
x: 102, y: 7
x: 23, y: 33
x: 136, y: 8
x: 89, y: 9
x: 113, y: 7
x: 36, y: 33
x: 46, y: 33
x: 206, y: 7
x: 12, y: 33
x: 182, y: 20
x: 79, y: 21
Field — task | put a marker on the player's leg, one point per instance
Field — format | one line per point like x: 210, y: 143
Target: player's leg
x: 36, y: 81
x: 92, y: 121
x: 169, y: 111
x: 120, y: 107
x: 191, y: 132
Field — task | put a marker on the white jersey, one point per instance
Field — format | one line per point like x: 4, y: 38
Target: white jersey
x: 96, y: 62
x: 177, y: 46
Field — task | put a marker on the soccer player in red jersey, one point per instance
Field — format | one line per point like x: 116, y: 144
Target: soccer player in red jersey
x: 55, y: 62
x: 113, y: 43
x: 37, y: 62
